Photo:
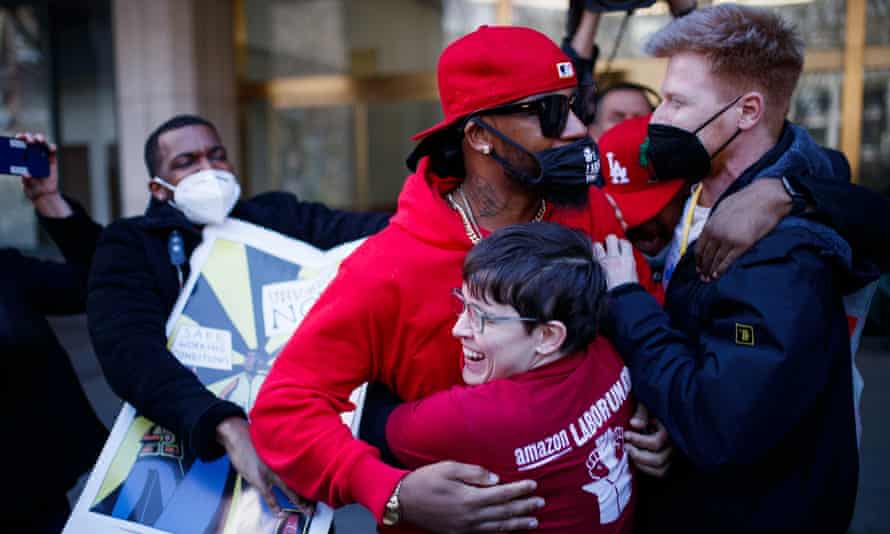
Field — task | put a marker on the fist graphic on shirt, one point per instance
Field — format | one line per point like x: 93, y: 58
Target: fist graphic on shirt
x: 609, y: 470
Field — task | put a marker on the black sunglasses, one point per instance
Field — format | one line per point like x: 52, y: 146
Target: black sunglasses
x: 552, y: 111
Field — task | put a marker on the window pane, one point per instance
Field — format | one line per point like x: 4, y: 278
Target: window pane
x: 84, y: 68
x: 639, y: 28
x: 460, y: 17
x: 877, y: 25
x: 314, y: 151
x: 391, y: 127
x: 375, y: 49
x: 550, y: 17
x: 545, y: 16
x: 311, y: 151
x: 294, y: 38
x: 24, y: 106
x: 816, y: 105
x: 821, y: 22
x: 316, y: 37
x: 874, y: 162
x: 307, y: 151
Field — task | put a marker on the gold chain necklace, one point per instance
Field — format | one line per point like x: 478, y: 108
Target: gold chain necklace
x: 469, y: 221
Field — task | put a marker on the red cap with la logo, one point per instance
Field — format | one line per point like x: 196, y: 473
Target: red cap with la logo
x: 629, y: 179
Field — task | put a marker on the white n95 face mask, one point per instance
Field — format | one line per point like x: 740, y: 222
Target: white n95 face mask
x: 205, y: 197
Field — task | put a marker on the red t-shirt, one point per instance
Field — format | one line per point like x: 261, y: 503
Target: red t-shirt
x: 561, y: 425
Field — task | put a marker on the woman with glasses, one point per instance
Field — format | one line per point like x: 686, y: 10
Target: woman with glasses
x: 545, y: 396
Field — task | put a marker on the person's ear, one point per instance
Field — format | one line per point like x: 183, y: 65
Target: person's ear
x: 158, y: 191
x: 552, y: 335
x: 477, y: 138
x: 751, y: 109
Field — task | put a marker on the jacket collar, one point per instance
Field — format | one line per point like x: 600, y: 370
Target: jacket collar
x: 425, y: 214
x: 795, y: 154
x: 161, y: 215
x: 765, y: 161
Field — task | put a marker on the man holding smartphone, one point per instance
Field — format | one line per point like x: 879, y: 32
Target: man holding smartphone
x: 53, y: 427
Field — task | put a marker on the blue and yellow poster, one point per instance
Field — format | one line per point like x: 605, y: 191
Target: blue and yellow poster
x: 248, y: 290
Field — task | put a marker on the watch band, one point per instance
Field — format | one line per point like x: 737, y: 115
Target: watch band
x: 392, y: 512
x: 798, y: 201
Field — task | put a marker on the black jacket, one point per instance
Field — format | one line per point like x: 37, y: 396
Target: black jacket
x: 52, y: 435
x: 751, y: 376
x: 133, y: 287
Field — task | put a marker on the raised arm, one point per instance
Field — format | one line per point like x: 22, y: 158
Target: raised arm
x: 858, y: 214
x: 580, y: 45
x: 61, y: 288
x: 53, y: 287
x: 312, y: 222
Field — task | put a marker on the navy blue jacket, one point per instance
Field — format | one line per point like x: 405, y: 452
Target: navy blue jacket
x: 51, y: 435
x: 133, y: 287
x: 751, y: 375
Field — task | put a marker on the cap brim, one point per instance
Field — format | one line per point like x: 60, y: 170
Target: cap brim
x: 433, y: 129
x: 638, y: 207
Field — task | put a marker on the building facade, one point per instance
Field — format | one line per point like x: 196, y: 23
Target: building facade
x: 320, y: 97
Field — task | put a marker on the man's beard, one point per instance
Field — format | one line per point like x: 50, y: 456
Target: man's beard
x: 565, y: 196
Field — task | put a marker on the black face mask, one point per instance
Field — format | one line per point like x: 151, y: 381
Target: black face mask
x: 678, y: 153
x: 565, y: 173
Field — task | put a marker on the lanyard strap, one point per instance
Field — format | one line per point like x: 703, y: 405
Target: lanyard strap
x: 687, y: 219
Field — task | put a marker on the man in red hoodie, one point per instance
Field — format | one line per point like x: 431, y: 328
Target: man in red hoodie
x: 508, y: 151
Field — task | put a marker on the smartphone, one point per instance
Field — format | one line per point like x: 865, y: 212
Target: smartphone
x: 23, y: 159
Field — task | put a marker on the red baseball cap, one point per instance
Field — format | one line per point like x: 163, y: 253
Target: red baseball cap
x: 629, y: 179
x: 497, y: 65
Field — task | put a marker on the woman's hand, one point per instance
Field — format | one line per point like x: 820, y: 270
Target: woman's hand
x: 617, y: 260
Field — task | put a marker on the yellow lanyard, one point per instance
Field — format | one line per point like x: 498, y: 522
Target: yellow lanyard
x: 687, y: 221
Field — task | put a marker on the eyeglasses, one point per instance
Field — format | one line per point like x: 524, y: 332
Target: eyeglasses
x: 477, y: 318
x: 552, y: 111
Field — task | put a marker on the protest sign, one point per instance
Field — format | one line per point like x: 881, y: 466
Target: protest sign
x: 247, y: 292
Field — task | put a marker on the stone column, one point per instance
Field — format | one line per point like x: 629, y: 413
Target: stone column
x: 171, y: 57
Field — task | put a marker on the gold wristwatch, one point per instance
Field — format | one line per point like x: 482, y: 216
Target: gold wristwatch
x: 392, y: 513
